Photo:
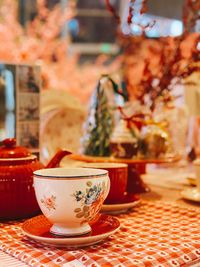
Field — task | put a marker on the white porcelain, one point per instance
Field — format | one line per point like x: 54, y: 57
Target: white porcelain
x: 119, y: 208
x: 71, y: 197
x: 51, y: 99
x: 38, y: 228
x: 196, y: 164
x: 192, y: 194
x: 69, y: 121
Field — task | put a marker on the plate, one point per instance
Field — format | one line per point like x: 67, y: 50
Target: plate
x: 51, y: 99
x: 38, y: 228
x: 129, y: 202
x: 191, y: 194
x: 60, y: 128
x: 192, y: 180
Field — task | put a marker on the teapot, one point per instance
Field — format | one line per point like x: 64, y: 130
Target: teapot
x: 17, y: 164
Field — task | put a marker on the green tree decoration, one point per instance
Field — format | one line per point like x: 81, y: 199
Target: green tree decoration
x: 99, y: 125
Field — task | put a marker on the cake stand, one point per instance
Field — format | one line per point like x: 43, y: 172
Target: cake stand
x: 136, y: 167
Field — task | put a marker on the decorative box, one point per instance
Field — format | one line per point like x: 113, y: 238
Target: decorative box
x: 20, y: 104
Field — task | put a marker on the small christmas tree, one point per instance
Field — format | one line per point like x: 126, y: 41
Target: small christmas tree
x: 99, y: 125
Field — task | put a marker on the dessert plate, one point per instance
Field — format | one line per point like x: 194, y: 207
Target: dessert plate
x: 191, y: 194
x: 117, y: 208
x: 38, y: 228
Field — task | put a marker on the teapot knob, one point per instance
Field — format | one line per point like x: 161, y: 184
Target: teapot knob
x: 9, y: 142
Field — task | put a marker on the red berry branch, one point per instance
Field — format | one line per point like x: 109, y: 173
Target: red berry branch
x: 138, y: 119
x: 144, y: 7
x: 191, y: 14
x: 172, y: 65
x: 130, y: 11
x: 113, y: 11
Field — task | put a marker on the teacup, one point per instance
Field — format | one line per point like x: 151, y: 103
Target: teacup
x: 118, y: 174
x: 71, y: 197
x: 196, y: 164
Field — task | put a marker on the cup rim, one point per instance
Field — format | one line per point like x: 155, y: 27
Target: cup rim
x: 69, y: 173
x: 102, y: 165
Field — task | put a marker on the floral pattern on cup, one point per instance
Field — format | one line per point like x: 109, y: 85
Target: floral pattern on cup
x: 91, y: 200
x: 49, y: 202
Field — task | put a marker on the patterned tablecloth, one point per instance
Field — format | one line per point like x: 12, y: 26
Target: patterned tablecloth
x: 159, y: 234
x: 8, y: 261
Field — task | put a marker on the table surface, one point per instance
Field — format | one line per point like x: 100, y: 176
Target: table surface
x: 165, y: 184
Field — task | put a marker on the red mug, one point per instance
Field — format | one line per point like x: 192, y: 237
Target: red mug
x: 118, y: 174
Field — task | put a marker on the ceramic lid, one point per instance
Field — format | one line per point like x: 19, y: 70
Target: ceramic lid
x: 9, y: 150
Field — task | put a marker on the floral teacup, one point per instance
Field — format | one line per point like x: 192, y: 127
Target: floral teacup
x: 71, y: 197
x: 118, y: 174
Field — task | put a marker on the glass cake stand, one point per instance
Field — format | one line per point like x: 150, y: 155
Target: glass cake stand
x: 136, y: 167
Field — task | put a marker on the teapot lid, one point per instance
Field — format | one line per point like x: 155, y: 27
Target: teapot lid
x: 10, y: 150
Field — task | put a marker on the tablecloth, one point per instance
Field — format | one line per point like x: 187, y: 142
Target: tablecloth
x: 153, y: 234
x: 8, y: 261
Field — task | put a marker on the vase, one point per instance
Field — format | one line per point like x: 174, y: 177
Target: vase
x: 177, y: 120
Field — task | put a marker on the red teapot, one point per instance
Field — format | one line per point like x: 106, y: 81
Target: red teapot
x: 17, y: 195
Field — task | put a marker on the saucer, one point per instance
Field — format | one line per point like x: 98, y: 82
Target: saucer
x: 127, y: 203
x: 38, y: 228
x: 192, y: 180
x: 191, y: 194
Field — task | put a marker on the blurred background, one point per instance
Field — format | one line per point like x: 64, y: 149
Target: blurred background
x: 150, y: 49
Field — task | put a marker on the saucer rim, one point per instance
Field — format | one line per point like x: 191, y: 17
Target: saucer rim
x: 192, y: 180
x: 75, y: 241
x: 184, y: 194
x: 120, y: 206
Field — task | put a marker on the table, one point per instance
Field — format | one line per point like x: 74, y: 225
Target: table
x: 166, y: 183
x: 158, y: 193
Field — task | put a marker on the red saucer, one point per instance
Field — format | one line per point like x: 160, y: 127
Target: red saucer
x: 128, y: 197
x: 38, y: 228
x: 129, y: 201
